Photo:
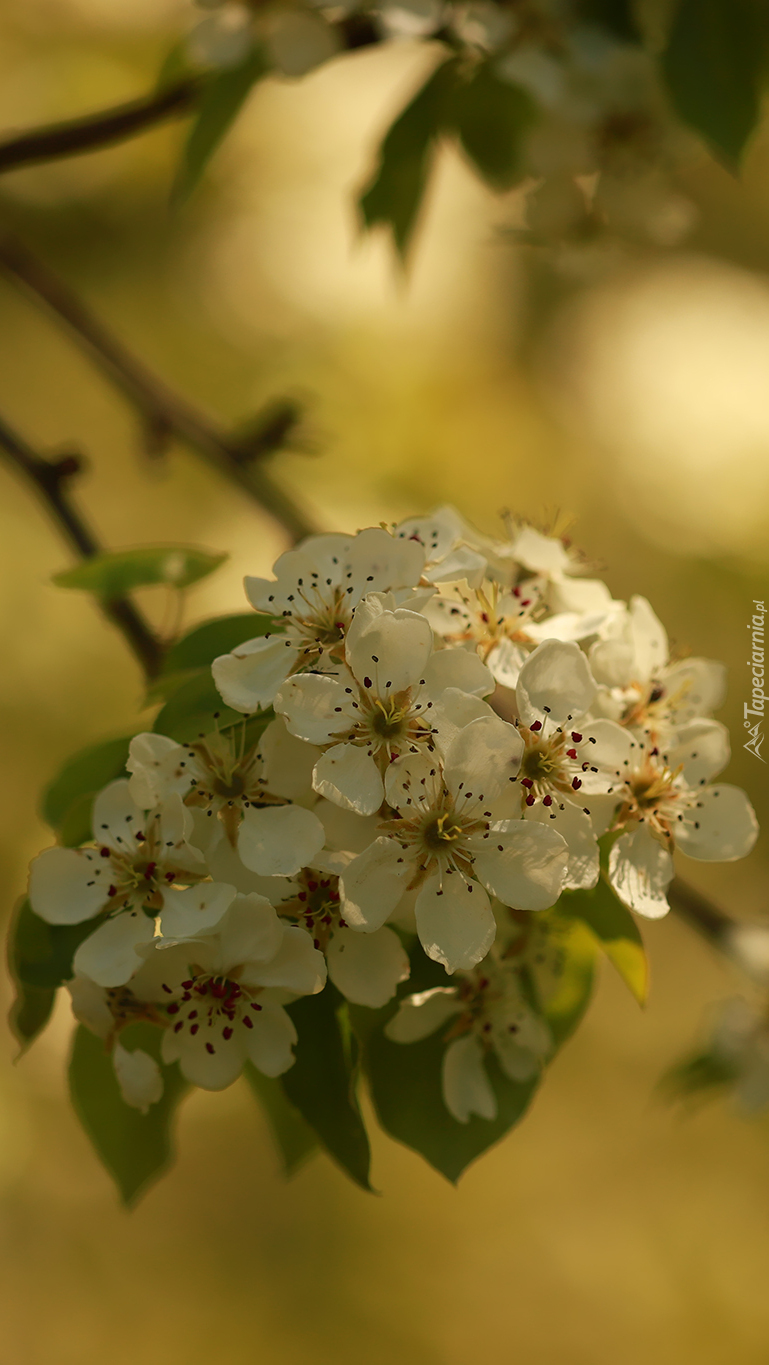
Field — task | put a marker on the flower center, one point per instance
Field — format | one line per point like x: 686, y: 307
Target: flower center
x: 441, y: 831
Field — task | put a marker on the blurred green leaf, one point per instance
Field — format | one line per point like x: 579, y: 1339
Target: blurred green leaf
x: 715, y: 66
x: 208, y: 640
x: 616, y: 931
x: 136, y: 1148
x: 220, y: 103
x: 294, y: 1138
x: 81, y: 777
x: 321, y: 1083
x: 113, y: 575
x: 30, y: 1012
x: 394, y: 193
x: 491, y: 118
x: 703, y: 1073
x: 40, y: 954
x: 565, y: 1010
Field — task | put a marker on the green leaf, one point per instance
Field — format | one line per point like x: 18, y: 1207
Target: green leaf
x: 616, y: 931
x: 79, y: 779
x: 194, y: 709
x: 491, y: 118
x: 113, y: 575
x: 40, y: 954
x: 703, y: 1073
x: 207, y: 641
x: 294, y: 1138
x: 714, y: 66
x: 321, y: 1083
x: 394, y: 193
x: 405, y: 1081
x: 136, y: 1148
x: 30, y: 1012
x: 221, y: 102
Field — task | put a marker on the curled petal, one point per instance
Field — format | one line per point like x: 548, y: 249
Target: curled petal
x: 249, y: 677
x: 640, y: 872
x: 367, y: 968
x: 455, y: 922
x: 555, y: 681
x: 392, y: 652
x: 139, y: 1077
x: 420, y: 1015
x: 347, y: 775
x: 109, y: 955
x: 279, y: 840
x: 316, y: 707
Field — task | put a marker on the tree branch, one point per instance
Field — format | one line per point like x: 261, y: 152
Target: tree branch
x: 102, y: 129
x: 160, y: 407
x: 50, y: 479
x: 700, y: 912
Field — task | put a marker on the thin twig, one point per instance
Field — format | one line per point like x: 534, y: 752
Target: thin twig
x: 102, y: 129
x: 699, y: 911
x: 50, y: 479
x: 158, y: 405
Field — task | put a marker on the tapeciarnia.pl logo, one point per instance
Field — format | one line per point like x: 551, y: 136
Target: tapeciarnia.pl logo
x: 755, y: 708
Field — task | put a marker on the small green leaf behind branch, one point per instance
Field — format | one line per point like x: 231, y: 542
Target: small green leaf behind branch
x: 113, y: 574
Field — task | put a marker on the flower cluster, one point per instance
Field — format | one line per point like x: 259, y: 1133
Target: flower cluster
x: 436, y: 729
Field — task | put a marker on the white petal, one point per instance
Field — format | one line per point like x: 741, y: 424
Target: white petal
x: 459, y: 564
x: 379, y: 562
x: 694, y: 687
x: 607, y: 747
x: 288, y: 762
x: 640, y: 871
x: 582, y: 595
x: 318, y: 707
x: 506, y: 661
x: 517, y: 1062
x: 109, y: 955
x: 649, y: 639
x: 482, y: 759
x: 367, y: 968
x: 455, y: 922
x: 250, y: 676
x: 344, y: 829
x: 251, y: 932
x: 373, y: 884
x: 452, y: 713
x: 89, y: 1005
x: 213, y: 1070
x: 575, y: 827
x: 297, y: 965
x: 68, y: 885
x: 466, y: 1087
x: 612, y: 662
x: 196, y: 909
x: 555, y: 681
x: 116, y: 817
x: 391, y: 654
x: 279, y: 840
x: 153, y: 761
x: 347, y: 775
x: 271, y: 1040
x: 720, y: 828
x: 701, y: 750
x: 460, y: 668
x: 139, y: 1077
x: 420, y: 1015
x: 522, y: 864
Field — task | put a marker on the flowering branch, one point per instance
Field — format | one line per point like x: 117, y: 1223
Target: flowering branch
x: 50, y: 479
x: 165, y: 412
x: 101, y: 129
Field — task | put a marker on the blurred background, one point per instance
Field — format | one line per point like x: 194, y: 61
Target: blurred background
x: 627, y: 390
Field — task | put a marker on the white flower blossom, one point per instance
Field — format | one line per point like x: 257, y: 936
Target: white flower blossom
x: 223, y: 993
x: 312, y: 598
x: 667, y: 802
x: 446, y: 841
x: 248, y: 790
x: 387, y: 703
x: 143, y: 867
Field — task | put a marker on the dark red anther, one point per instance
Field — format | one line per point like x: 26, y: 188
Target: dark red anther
x: 149, y: 872
x: 173, y: 1009
x: 312, y: 886
x: 193, y: 1014
x: 140, y: 836
x: 186, y: 985
x: 170, y: 876
x: 547, y: 800
x: 576, y: 783
x: 111, y: 891
x: 178, y: 1026
x: 536, y: 725
x: 526, y: 782
x: 254, y: 1005
x: 530, y: 800
x: 342, y: 924
x: 248, y: 1021
x: 210, y: 1048
x: 166, y: 988
x: 219, y: 989
x: 194, y: 1029
x: 571, y: 753
x: 105, y: 852
x: 576, y: 737
x: 226, y: 1034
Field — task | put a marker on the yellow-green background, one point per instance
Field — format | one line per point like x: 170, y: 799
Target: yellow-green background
x: 607, y: 1229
